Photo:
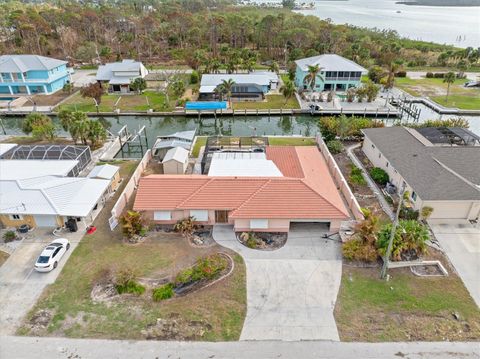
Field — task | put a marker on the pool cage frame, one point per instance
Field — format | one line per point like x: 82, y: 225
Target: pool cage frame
x: 82, y: 154
x: 231, y: 144
x: 453, y: 136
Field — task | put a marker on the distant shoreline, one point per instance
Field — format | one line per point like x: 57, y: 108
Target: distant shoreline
x: 453, y: 3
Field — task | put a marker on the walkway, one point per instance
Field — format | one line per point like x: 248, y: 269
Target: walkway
x: 61, y: 348
x: 461, y: 242
x: 291, y: 292
x: 371, y: 183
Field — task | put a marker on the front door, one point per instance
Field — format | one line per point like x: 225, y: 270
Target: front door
x: 221, y: 216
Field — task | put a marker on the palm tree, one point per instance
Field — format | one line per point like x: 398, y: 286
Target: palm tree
x: 226, y: 88
x: 79, y: 127
x: 313, y: 74
x: 96, y: 132
x: 449, y: 79
x: 288, y: 90
x: 274, y: 67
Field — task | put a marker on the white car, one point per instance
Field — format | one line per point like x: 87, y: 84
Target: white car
x: 48, y: 259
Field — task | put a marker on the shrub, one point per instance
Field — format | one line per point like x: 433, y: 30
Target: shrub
x: 335, y: 146
x: 356, y: 176
x: 429, y: 75
x: 439, y: 75
x: 426, y: 212
x: 163, y: 292
x: 379, y: 175
x: 408, y: 214
x: 125, y: 282
x: 401, y: 74
x: 9, y: 236
x: 132, y: 224
x: 410, y: 238
x: 185, y: 226
x: 356, y: 250
x: 194, y: 77
x: 204, y: 268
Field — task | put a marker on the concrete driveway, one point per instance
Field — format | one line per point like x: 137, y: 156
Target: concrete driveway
x: 461, y: 242
x: 20, y: 284
x: 82, y: 78
x: 291, y: 292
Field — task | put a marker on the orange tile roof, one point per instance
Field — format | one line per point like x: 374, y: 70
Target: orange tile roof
x: 306, y: 192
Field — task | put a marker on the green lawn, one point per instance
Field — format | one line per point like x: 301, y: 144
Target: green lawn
x: 436, y: 89
x: 74, y: 314
x: 147, y: 100
x: 291, y: 141
x: 406, y: 308
x: 199, y: 143
x: 270, y: 102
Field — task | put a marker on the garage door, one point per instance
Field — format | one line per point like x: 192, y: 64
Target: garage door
x: 45, y: 221
x: 447, y: 210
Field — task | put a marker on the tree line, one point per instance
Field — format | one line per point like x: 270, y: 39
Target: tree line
x: 202, y: 33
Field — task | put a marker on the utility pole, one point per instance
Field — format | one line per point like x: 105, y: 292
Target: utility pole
x: 386, y: 258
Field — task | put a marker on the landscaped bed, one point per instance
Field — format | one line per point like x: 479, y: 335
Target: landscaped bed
x: 266, y: 241
x: 405, y: 308
x: 66, y: 308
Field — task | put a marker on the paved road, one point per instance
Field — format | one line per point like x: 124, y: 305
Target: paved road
x: 63, y: 348
x: 461, y: 242
x: 291, y: 292
x: 20, y: 284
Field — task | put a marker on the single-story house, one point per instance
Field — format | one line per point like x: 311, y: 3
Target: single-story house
x: 336, y: 73
x: 163, y: 144
x: 175, y: 161
x: 107, y: 172
x: 119, y: 75
x: 305, y: 192
x: 247, y: 87
x: 439, y: 167
x: 32, y: 74
x: 49, y: 201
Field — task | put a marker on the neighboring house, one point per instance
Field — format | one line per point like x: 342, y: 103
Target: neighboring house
x: 49, y: 201
x: 163, y: 144
x: 22, y: 169
x: 439, y: 167
x: 31, y: 74
x: 305, y: 192
x: 175, y: 161
x: 107, y: 172
x: 119, y: 75
x: 247, y: 87
x: 336, y: 73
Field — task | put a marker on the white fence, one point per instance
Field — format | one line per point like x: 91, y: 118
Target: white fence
x: 128, y: 191
x: 340, y: 180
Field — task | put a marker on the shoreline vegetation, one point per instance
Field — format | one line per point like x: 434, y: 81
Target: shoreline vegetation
x: 452, y: 3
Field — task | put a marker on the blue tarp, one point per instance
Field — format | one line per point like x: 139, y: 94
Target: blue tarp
x: 206, y: 105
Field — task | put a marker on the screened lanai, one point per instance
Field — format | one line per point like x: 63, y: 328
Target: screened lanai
x: 81, y: 154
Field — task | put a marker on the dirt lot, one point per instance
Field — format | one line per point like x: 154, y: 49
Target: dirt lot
x: 406, y: 308
x: 66, y: 307
x: 3, y: 257
x: 50, y: 100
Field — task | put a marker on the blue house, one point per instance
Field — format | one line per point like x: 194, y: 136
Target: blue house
x: 31, y: 74
x: 336, y: 73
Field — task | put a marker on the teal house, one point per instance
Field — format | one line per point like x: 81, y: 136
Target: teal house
x: 31, y: 74
x: 336, y: 73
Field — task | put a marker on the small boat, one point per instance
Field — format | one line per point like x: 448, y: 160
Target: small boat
x: 399, y: 12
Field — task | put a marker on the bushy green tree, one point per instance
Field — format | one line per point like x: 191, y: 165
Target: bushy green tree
x: 39, y: 125
x: 138, y: 85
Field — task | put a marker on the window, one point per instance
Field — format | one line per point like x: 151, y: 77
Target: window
x: 16, y: 217
x: 387, y: 164
x: 200, y: 215
x: 373, y: 146
x: 379, y: 155
x: 258, y: 223
x: 56, y: 252
x: 162, y: 215
x: 414, y: 196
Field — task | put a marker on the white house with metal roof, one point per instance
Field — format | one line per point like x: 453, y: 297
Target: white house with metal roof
x: 49, y: 201
x: 119, y: 75
x: 107, y: 172
x: 175, y: 161
x: 336, y: 73
x: 252, y: 86
x: 31, y: 74
x: 21, y: 169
